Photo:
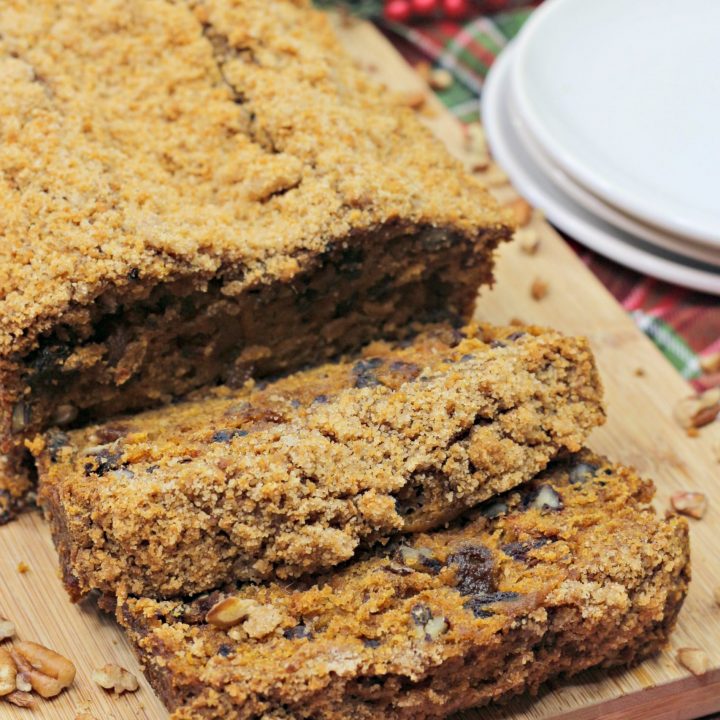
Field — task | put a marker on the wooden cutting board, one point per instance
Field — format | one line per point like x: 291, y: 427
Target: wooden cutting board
x: 642, y: 389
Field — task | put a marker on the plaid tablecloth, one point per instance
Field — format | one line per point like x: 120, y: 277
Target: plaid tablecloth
x: 685, y: 325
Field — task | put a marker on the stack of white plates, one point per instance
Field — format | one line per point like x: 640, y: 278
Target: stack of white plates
x: 606, y: 115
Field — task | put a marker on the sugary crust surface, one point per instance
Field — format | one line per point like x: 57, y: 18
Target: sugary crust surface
x: 292, y: 477
x: 143, y: 141
x: 567, y: 572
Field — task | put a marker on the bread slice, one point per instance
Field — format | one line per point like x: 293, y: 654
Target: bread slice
x: 570, y: 571
x: 294, y: 476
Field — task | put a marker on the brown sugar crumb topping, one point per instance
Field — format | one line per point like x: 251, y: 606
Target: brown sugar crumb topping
x: 144, y: 150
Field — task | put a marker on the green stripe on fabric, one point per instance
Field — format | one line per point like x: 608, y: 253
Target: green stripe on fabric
x: 509, y: 23
x: 672, y: 346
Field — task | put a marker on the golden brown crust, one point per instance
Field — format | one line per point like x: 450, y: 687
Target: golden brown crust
x: 569, y: 571
x: 293, y: 477
x: 199, y: 191
x: 193, y: 139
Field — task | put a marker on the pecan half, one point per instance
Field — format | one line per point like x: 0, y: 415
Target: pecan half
x: 48, y: 672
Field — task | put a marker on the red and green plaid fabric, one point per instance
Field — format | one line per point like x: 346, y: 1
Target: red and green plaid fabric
x: 685, y: 325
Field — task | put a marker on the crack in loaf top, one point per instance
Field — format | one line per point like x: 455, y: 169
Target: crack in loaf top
x: 158, y: 139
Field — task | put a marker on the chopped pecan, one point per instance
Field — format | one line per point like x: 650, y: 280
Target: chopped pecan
x: 520, y: 210
x: 547, y: 498
x: 257, y: 620
x: 539, y: 289
x: 693, y: 504
x: 116, y: 678
x: 21, y: 699
x: 528, y: 240
x: 8, y: 673
x: 440, y: 79
x: 7, y: 629
x: 48, y: 672
x: 694, y: 659
x: 698, y: 410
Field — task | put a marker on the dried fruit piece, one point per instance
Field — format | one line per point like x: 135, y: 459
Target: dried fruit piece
x: 539, y: 289
x: 693, y: 504
x: 694, y: 659
x: 48, y: 672
x: 21, y: 699
x: 8, y: 673
x: 115, y: 678
x: 7, y: 629
x: 475, y: 569
x: 699, y: 410
x: 479, y: 604
x: 520, y: 550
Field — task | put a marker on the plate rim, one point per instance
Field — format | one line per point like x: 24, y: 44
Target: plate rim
x: 597, y: 239
x: 589, y: 201
x: 676, y: 221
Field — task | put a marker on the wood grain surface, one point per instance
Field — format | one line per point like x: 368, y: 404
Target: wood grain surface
x: 642, y: 389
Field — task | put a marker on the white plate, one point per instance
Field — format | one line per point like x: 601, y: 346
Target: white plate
x: 531, y: 182
x: 625, y: 96
x: 593, y: 204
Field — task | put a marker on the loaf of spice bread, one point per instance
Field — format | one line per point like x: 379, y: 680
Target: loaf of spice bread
x: 570, y: 571
x: 202, y: 191
x: 295, y: 476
